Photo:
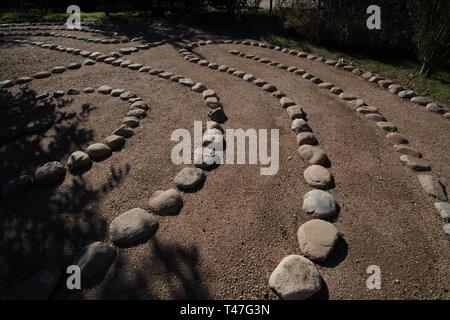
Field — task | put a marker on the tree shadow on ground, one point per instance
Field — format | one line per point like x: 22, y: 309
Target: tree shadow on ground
x: 168, y: 272
x: 45, y: 226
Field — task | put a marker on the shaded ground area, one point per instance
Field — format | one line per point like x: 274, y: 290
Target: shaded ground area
x: 232, y: 233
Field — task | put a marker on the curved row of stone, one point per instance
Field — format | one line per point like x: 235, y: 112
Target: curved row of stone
x: 135, y: 225
x: 369, y: 76
x: 409, y: 156
x: 296, y: 277
x: 52, y: 172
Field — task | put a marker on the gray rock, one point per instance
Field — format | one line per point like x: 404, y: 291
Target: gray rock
x: 406, y: 94
x: 300, y: 125
x: 205, y: 158
x: 326, y: 85
x: 213, y: 102
x: 115, y: 142
x: 375, y: 117
x: 434, y: 107
x: 138, y: 113
x: 117, y: 92
x: 295, y: 112
x: 127, y: 95
x: 286, y: 102
x: 259, y: 82
x: 22, y: 80
x: 133, y: 122
x: 74, y: 66
x: 387, y: 126
x: 396, y: 138
x: 186, y: 82
x: 347, y: 96
x: 166, y: 202
x: 133, y: 226
x: 49, y: 173
x: 88, y: 90
x: 432, y: 186
x: 124, y: 131
x: 42, y: 75
x: 6, y: 84
x: 446, y: 228
x: 336, y: 90
x: 419, y: 100
x: 17, y: 186
x: 407, y: 150
x: 189, y: 178
x: 295, y: 278
x: 105, y: 89
x: 319, y: 203
x: 217, y: 115
x: 94, y: 259
x: 395, y: 88
x: 444, y: 209
x: 269, y: 88
x: 78, y: 160
x: 58, y: 69
x: 73, y: 91
x: 313, y: 155
x: 139, y: 105
x: 416, y: 164
x: 89, y: 62
x: 317, y: 239
x: 367, y: 110
x: 306, y: 138
x: 38, y: 287
x: 318, y: 177
x: 98, y: 150
x: 58, y: 94
x: 199, y: 87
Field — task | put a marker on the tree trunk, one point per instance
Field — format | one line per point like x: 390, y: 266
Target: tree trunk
x: 271, y: 3
x: 237, y: 11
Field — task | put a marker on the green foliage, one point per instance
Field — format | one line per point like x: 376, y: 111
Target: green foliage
x: 431, y: 20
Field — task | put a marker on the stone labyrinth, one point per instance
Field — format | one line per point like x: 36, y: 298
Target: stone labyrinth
x: 86, y: 102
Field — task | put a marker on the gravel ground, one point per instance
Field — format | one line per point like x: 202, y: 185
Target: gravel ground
x: 232, y: 233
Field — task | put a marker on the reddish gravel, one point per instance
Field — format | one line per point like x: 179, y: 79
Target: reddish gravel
x: 232, y: 233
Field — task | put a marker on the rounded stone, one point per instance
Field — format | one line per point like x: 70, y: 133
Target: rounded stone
x: 306, y: 138
x: 105, y: 89
x: 317, y: 239
x: 295, y: 112
x: 17, y: 186
x: 318, y: 177
x: 347, y: 96
x: 139, y: 105
x: 98, y: 150
x: 58, y: 69
x: 416, y: 164
x: 295, y: 278
x: 116, y: 92
x: 125, y: 131
x: 88, y: 90
x: 406, y: 94
x: 313, y: 155
x: 138, y: 113
x: 42, y: 75
x: 94, y: 259
x: 133, y: 226
x: 189, y: 178
x: 115, y: 142
x: 205, y: 158
x: 78, y: 160
x: 49, y: 173
x: 131, y: 121
x: 433, y: 186
x: 300, y: 125
x: 166, y: 202
x: 407, y: 150
x: 319, y: 203
x: 74, y: 66
x: 396, y: 138
x: 387, y: 126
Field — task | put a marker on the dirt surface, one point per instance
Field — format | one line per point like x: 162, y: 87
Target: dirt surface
x: 231, y: 234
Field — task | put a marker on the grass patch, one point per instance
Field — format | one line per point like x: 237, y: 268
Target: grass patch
x: 401, y: 71
x: 264, y: 26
